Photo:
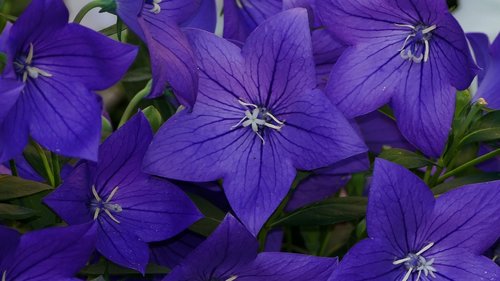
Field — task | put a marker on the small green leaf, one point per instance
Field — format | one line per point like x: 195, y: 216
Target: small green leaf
x: 15, y: 187
x: 463, y: 100
x: 405, y: 158
x: 470, y: 179
x: 481, y: 135
x: 101, y: 268
x: 107, y: 128
x: 154, y: 117
x: 15, y: 212
x: 330, y: 211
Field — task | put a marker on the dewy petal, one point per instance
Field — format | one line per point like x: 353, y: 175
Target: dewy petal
x: 458, y: 264
x: 76, y: 53
x: 286, y: 267
x: 226, y: 250
x: 70, y: 200
x: 239, y: 22
x: 10, y: 239
x: 172, y: 59
x: 52, y: 254
x: 278, y: 55
x: 315, y: 133
x: 14, y: 130
x: 205, y: 18
x: 10, y: 91
x: 66, y: 117
x: 122, y: 247
x: 397, y: 212
x: 466, y: 218
x: 369, y: 259
x: 326, y: 51
x: 490, y: 85
x: 424, y: 106
x: 481, y: 47
x: 154, y: 209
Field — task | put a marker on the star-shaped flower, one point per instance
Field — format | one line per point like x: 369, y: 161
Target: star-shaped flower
x: 412, y: 236
x: 257, y: 119
x: 412, y: 53
x: 230, y: 254
x: 57, y: 66
x: 56, y: 253
x: 129, y: 207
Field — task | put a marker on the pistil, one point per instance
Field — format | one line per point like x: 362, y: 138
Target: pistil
x: 418, y: 39
x: 105, y: 206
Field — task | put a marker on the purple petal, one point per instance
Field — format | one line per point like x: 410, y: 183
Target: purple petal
x: 66, y: 117
x: 205, y: 18
x: 70, y: 200
x: 226, y: 250
x: 278, y: 55
x: 4, y: 37
x: 122, y: 247
x: 490, y: 85
x: 39, y: 256
x: 424, y: 106
x: 357, y: 163
x: 274, y: 240
x: 179, y: 11
x: 173, y: 251
x: 14, y: 130
x: 10, y: 91
x: 371, y: 260
x: 396, y: 211
x: 79, y: 54
x: 129, y: 12
x: 481, y: 46
x: 10, y: 239
x: 172, y: 59
x: 287, y: 267
x: 326, y: 51
x: 467, y: 218
x: 460, y: 265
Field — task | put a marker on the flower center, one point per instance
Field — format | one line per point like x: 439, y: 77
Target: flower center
x: 416, y: 45
x: 259, y: 118
x: 107, y: 206
x: 156, y: 7
x: 417, y: 263
x: 24, y: 67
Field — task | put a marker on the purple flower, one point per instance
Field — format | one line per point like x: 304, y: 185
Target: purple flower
x: 129, y: 207
x: 257, y: 119
x: 230, y: 253
x: 51, y: 254
x: 412, y: 236
x: 488, y: 59
x: 56, y: 66
x: 157, y: 22
x: 412, y: 53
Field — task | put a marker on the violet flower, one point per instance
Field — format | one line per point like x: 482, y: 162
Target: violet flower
x: 157, y: 22
x: 411, y: 53
x: 129, y: 207
x: 257, y: 119
x: 413, y: 236
x: 56, y: 253
x: 56, y: 66
x: 230, y: 254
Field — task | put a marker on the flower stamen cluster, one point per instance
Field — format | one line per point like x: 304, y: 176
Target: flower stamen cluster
x: 418, y: 263
x: 105, y: 206
x: 24, y: 66
x: 416, y: 45
x: 156, y: 7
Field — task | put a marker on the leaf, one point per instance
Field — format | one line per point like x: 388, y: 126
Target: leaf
x: 102, y: 268
x: 330, y: 211
x: 481, y: 135
x: 14, y: 187
x: 405, y: 158
x: 138, y: 75
x: 15, y: 212
x: 106, y: 129
x: 154, y: 117
x: 470, y: 179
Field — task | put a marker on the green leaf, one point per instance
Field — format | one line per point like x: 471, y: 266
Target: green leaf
x: 405, y: 158
x: 15, y: 212
x: 489, y: 120
x: 330, y: 211
x: 481, y: 135
x: 101, y: 268
x: 15, y: 187
x: 154, y: 117
x: 470, y: 179
x: 107, y: 128
x: 463, y: 100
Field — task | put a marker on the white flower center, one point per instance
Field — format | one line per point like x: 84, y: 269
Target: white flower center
x: 259, y: 118
x: 416, y: 45
x: 417, y: 263
x: 24, y: 66
x: 156, y: 7
x: 106, y: 206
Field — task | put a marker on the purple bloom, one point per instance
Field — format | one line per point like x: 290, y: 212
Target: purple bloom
x: 129, y: 207
x: 157, y: 22
x: 52, y: 69
x: 407, y: 52
x: 230, y: 253
x: 488, y: 59
x: 413, y: 236
x: 257, y: 119
x: 51, y: 254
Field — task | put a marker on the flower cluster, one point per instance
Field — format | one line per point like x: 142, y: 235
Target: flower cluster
x: 323, y: 140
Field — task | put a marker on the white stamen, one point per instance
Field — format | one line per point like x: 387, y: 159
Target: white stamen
x: 418, y: 263
x: 425, y: 249
x: 31, y: 71
x: 113, y: 192
x: 30, y: 54
x: 247, y: 104
x: 407, y: 275
x: 107, y: 206
x: 232, y: 278
x: 405, y: 25
x: 156, y: 8
x: 407, y: 54
x: 111, y: 215
x: 4, y: 275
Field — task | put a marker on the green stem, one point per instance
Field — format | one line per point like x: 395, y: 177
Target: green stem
x: 13, y: 168
x: 471, y: 163
x: 133, y: 104
x: 46, y: 164
x: 427, y: 174
x: 56, y: 169
x: 81, y: 14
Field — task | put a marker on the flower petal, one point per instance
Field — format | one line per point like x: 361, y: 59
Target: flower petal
x: 10, y: 91
x: 39, y: 256
x: 326, y: 51
x: 14, y: 130
x: 481, y: 46
x: 205, y: 18
x: 10, y: 239
x: 278, y: 55
x: 424, y: 106
x: 177, y: 10
x: 397, y: 212
x: 66, y: 117
x: 459, y: 265
x: 490, y: 85
x: 466, y: 218
x: 129, y: 12
x: 173, y: 251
